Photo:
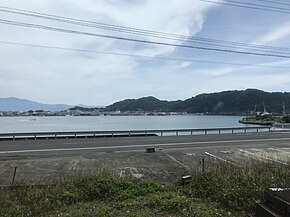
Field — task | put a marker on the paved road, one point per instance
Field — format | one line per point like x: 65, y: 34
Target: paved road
x: 78, y: 146
x: 45, y: 161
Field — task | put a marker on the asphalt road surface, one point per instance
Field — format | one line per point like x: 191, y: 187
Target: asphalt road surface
x: 48, y: 161
x: 77, y: 146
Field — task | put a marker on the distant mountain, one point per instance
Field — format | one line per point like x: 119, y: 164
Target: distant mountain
x: 15, y: 104
x: 226, y: 102
x: 149, y: 103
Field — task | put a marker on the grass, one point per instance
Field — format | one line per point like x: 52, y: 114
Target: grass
x: 223, y: 191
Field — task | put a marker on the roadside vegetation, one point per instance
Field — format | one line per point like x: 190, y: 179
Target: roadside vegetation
x: 221, y: 191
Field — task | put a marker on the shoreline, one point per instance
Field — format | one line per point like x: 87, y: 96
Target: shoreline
x: 257, y: 123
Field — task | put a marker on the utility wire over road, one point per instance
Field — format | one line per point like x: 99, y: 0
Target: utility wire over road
x: 191, y: 42
x: 160, y: 43
x: 275, y: 2
x: 251, y: 5
x: 142, y: 56
x: 144, y: 32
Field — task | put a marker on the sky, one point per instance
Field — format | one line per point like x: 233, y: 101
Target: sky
x: 95, y: 79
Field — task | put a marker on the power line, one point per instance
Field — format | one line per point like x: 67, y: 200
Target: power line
x: 274, y: 2
x: 258, y: 5
x: 29, y: 25
x: 248, y: 7
x: 163, y: 35
x: 210, y: 43
x: 129, y: 30
x: 140, y: 56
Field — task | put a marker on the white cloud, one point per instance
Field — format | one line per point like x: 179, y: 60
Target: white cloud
x: 55, y: 76
x: 261, y: 68
x: 282, y: 32
x: 70, y: 77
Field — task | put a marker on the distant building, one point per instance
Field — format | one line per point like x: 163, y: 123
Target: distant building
x: 265, y: 111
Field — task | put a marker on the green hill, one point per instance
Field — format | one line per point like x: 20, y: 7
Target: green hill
x: 226, y: 102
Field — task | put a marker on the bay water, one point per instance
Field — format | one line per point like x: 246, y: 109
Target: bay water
x: 95, y: 123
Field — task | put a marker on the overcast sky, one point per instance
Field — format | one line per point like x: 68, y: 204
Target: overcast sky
x: 58, y: 76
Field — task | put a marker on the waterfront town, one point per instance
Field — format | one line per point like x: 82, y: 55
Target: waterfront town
x: 89, y: 112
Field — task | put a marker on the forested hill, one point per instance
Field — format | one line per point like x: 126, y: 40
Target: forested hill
x: 226, y: 102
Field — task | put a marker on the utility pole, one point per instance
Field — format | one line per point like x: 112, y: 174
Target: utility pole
x: 284, y: 110
x: 255, y: 110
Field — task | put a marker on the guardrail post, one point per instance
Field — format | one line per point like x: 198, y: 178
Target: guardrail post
x: 219, y: 131
x: 191, y: 133
x: 161, y: 133
x: 202, y: 165
x: 245, y: 130
x: 35, y: 136
x: 205, y: 132
x: 257, y: 130
x: 176, y: 133
x: 13, y: 136
x: 14, y: 175
x: 54, y: 136
x: 232, y: 131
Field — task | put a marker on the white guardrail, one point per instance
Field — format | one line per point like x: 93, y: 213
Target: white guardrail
x: 129, y: 133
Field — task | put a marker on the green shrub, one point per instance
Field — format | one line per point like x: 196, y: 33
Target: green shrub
x: 238, y: 188
x: 168, y: 202
x: 218, y: 190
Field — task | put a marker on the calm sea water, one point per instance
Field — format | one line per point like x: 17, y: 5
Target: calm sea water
x: 83, y: 123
